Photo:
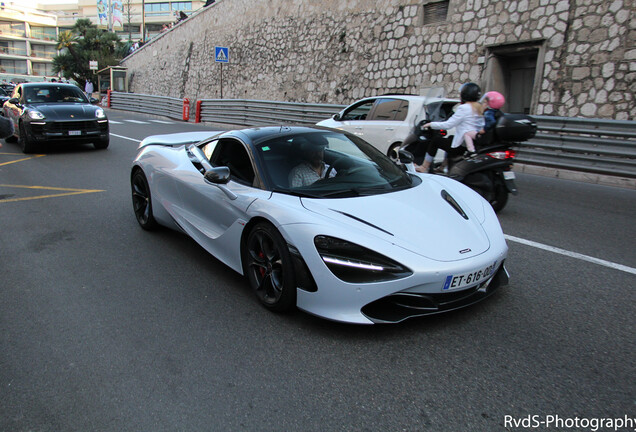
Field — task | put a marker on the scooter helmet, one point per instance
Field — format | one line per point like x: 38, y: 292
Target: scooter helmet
x: 469, y: 92
x: 495, y: 99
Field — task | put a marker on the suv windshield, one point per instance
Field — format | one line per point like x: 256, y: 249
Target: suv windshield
x: 329, y: 164
x: 53, y: 94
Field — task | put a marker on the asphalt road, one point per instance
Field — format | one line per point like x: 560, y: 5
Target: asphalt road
x: 106, y: 327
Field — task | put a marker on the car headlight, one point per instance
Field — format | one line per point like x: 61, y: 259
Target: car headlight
x: 356, y: 264
x: 99, y: 113
x: 36, y: 115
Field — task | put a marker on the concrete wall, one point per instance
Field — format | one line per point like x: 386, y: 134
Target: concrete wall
x: 325, y: 51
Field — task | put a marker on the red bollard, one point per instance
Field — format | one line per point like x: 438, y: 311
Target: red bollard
x: 186, y: 110
x: 197, y: 113
x: 108, y: 98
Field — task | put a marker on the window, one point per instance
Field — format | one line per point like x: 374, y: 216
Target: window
x: 435, y: 12
x: 12, y: 29
x: 184, y: 6
x: 13, y: 48
x: 42, y: 69
x: 44, y: 33
x: 232, y: 154
x: 13, y: 66
x: 43, y: 51
x: 358, y: 112
x: 390, y: 109
x: 157, y: 8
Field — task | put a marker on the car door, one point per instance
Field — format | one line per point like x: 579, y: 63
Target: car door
x: 385, y: 124
x: 215, y: 215
x: 354, y: 117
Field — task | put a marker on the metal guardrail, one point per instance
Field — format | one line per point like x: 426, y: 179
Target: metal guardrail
x: 586, y: 145
x: 257, y: 113
x: 589, y: 145
x: 149, y: 104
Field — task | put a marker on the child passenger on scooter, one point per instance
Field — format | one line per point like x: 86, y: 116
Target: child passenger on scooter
x: 467, y: 121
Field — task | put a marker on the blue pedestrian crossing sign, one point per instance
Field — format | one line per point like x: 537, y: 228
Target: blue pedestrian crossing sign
x: 222, y: 54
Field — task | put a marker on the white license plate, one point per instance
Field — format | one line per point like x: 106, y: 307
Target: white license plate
x: 454, y: 282
x: 509, y: 175
x: 74, y: 132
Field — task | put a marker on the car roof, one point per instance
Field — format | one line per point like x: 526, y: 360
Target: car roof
x: 410, y: 98
x: 257, y: 134
x: 47, y: 84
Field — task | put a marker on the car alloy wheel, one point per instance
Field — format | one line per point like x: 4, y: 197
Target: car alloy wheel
x: 142, y: 205
x: 269, y: 268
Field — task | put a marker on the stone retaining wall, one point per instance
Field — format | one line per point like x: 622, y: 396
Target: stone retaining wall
x: 323, y: 51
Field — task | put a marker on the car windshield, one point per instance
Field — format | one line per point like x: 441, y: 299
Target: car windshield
x: 54, y: 94
x: 325, y: 164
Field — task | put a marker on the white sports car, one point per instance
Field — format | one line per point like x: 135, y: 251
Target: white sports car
x: 319, y: 219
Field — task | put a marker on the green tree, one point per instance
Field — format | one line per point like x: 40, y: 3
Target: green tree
x: 83, y: 43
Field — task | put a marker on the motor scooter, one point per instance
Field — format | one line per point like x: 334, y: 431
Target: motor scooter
x: 488, y: 171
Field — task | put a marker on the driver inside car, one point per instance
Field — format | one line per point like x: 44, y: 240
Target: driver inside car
x: 313, y: 167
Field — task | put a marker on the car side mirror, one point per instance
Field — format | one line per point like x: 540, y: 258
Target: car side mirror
x: 14, y: 101
x: 93, y: 100
x: 336, y: 117
x: 218, y: 175
x: 406, y: 157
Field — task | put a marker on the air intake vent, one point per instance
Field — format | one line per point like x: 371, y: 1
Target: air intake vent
x: 449, y: 199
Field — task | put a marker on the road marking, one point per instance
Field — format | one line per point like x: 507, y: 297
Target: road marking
x: 68, y: 191
x: 19, y: 160
x: 124, y: 137
x: 114, y: 122
x: 570, y: 254
x: 161, y: 121
x: 136, y: 121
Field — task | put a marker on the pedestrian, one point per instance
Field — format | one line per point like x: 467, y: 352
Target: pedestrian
x: 89, y: 88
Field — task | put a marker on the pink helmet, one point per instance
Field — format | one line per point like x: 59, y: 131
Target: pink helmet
x: 495, y: 99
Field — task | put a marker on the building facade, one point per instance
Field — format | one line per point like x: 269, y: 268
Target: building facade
x: 28, y: 43
x: 28, y: 36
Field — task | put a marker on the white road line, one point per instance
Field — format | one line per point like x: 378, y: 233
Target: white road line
x: 136, y: 121
x: 161, y: 121
x: 123, y: 137
x: 571, y: 254
x: 114, y: 122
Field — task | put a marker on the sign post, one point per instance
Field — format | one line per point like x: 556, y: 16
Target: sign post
x: 221, y: 55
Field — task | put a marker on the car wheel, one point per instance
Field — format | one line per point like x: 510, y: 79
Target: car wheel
x: 27, y: 145
x: 269, y: 268
x: 142, y: 204
x: 102, y: 144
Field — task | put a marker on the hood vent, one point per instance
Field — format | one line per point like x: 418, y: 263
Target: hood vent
x: 363, y: 221
x: 449, y: 199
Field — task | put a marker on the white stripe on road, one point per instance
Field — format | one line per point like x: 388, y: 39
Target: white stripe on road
x: 114, y: 122
x: 572, y: 254
x: 161, y: 121
x: 136, y: 121
x: 531, y: 243
x: 123, y: 137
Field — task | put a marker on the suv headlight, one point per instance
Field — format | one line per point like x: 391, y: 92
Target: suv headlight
x: 36, y: 115
x: 356, y: 264
x: 100, y: 114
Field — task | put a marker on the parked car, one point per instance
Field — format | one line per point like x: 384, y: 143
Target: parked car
x: 385, y: 121
x: 49, y: 114
x: 365, y: 243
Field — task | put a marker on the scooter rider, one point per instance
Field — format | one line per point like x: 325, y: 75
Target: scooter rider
x: 468, y: 117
